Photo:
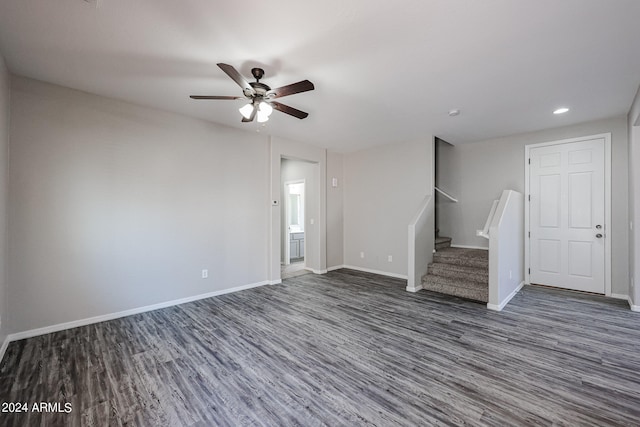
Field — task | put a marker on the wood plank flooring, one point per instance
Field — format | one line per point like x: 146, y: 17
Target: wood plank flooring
x: 345, y: 348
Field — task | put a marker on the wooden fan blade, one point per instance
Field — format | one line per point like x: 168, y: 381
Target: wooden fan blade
x: 303, y: 86
x: 289, y: 110
x: 237, y: 77
x: 253, y: 115
x: 215, y: 97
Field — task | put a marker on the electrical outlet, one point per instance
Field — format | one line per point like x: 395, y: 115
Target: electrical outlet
x: 361, y: 254
x: 390, y: 258
x: 205, y: 274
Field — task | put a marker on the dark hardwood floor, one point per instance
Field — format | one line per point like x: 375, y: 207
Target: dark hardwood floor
x: 346, y: 348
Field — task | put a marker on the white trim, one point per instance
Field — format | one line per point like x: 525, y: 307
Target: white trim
x: 607, y: 202
x: 382, y: 273
x: 274, y: 282
x: 504, y: 302
x: 633, y: 307
x: 335, y: 267
x: 316, y: 271
x: 111, y: 316
x: 469, y: 247
x: 619, y: 296
x: 3, y: 349
x: 414, y: 289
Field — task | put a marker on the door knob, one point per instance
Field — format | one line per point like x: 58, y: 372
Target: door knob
x: 599, y: 236
x: 598, y: 226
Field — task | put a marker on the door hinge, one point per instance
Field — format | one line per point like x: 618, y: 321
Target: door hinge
x: 529, y: 271
x: 529, y: 160
x: 529, y: 234
x: 529, y: 197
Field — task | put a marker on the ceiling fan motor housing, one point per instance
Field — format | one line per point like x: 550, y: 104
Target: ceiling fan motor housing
x: 257, y: 73
x: 260, y: 88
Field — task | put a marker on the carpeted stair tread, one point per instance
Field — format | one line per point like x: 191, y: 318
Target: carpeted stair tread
x: 461, y: 272
x: 463, y: 257
x: 442, y: 242
x: 472, y: 290
x: 443, y: 280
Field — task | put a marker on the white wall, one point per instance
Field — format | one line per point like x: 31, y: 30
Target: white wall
x: 293, y: 170
x: 335, y: 211
x: 633, y: 121
x: 113, y: 206
x: 506, y: 249
x: 383, y: 189
x: 4, y: 148
x: 477, y: 173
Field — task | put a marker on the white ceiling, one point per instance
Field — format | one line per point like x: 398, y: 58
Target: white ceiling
x: 384, y: 71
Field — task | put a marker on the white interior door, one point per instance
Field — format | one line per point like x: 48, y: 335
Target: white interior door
x: 567, y: 215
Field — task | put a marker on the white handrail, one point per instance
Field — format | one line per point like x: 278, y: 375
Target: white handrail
x: 448, y: 196
x: 485, y: 231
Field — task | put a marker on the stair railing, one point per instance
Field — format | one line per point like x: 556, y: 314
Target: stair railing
x: 485, y: 231
x: 447, y: 195
x: 421, y: 243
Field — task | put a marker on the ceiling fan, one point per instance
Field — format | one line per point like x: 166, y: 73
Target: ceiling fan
x: 260, y: 96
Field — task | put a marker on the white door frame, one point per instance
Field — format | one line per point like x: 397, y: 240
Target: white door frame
x: 286, y: 235
x: 607, y: 203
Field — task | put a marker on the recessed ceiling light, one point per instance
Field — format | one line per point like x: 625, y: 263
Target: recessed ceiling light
x: 561, y: 110
x: 454, y: 112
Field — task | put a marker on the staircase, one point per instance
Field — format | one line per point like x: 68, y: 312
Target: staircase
x: 459, y: 272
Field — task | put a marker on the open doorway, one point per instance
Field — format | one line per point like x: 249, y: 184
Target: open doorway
x: 291, y: 162
x: 293, y: 237
x: 299, y: 205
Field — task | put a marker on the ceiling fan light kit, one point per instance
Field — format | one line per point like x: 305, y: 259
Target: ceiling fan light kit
x: 246, y: 110
x: 260, y: 95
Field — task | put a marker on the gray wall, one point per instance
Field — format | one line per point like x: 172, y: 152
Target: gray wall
x: 4, y: 147
x: 335, y: 208
x: 114, y: 206
x: 633, y: 121
x: 383, y: 188
x: 292, y: 170
x: 476, y: 174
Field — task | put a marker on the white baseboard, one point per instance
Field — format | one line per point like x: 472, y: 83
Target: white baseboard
x: 504, y: 302
x: 313, y: 270
x: 633, y: 307
x: 111, y: 316
x: 382, y: 273
x: 335, y: 267
x: 274, y: 282
x: 3, y: 349
x: 469, y: 247
x: 412, y: 289
x: 619, y: 296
